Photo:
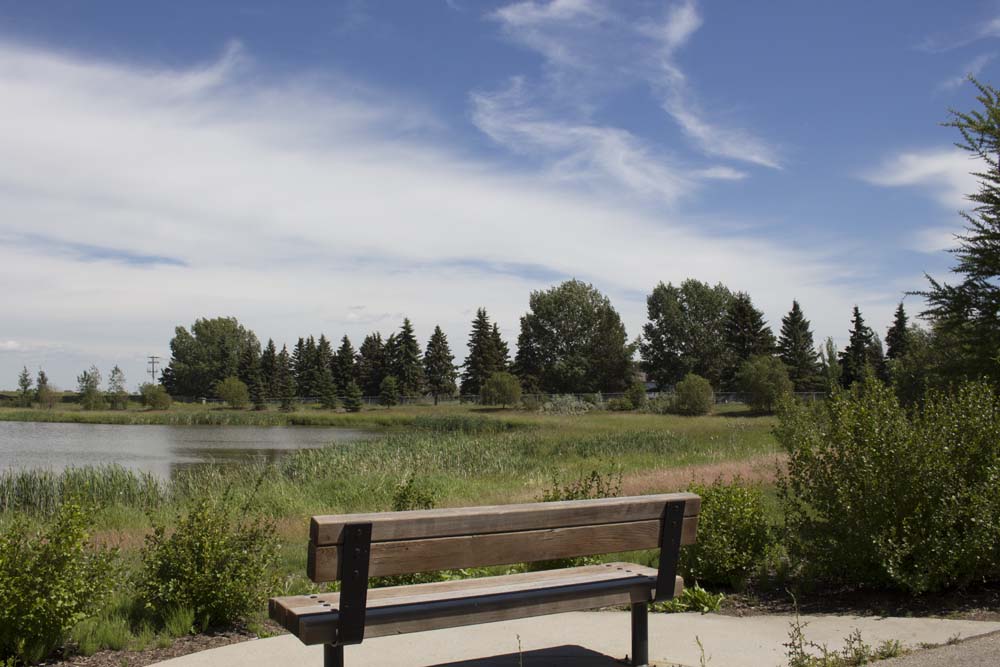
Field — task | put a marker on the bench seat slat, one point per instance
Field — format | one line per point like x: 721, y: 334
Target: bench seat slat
x: 469, y: 601
x: 448, y: 522
x: 441, y: 553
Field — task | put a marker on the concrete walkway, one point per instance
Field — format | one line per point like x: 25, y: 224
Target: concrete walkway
x: 597, y: 639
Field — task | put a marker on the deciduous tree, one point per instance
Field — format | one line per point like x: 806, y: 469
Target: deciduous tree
x: 208, y: 353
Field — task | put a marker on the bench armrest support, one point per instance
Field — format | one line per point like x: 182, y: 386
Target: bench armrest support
x: 354, y: 583
x: 670, y: 549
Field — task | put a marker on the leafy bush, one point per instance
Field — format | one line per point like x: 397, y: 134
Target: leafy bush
x: 620, y: 405
x: 216, y: 563
x: 693, y: 396
x: 501, y: 389
x: 876, y: 495
x: 414, y: 494
x: 155, y: 396
x: 531, y: 403
x: 234, y: 392
x: 593, y: 485
x: 636, y: 395
x: 567, y: 404
x: 89, y: 388
x: 660, y: 405
x: 733, y: 534
x: 50, y: 580
x: 764, y: 382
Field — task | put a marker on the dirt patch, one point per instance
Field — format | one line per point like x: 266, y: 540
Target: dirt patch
x: 758, y: 469
x: 180, y: 646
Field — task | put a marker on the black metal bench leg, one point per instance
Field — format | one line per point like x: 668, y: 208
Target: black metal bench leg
x: 333, y: 656
x: 640, y: 635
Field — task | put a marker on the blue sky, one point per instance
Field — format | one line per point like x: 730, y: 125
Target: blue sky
x: 332, y: 167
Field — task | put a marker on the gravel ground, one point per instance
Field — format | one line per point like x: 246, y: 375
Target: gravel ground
x: 981, y: 651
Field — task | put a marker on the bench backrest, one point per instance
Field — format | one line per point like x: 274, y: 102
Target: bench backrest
x: 428, y: 540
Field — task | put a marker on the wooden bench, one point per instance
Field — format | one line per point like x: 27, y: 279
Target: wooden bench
x: 353, y: 547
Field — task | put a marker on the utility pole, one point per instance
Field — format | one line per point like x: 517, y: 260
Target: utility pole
x: 153, y: 362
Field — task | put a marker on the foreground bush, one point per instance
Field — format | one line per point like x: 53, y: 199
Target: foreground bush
x: 693, y: 396
x: 234, y: 392
x: 501, y: 389
x: 155, y: 396
x: 876, y: 495
x: 49, y: 581
x: 215, y: 563
x: 764, y: 383
x: 733, y: 535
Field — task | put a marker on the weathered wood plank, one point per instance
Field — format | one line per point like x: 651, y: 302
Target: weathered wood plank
x: 449, y: 522
x: 441, y: 553
x: 468, y: 607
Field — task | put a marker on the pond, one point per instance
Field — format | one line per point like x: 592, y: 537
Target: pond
x: 157, y: 449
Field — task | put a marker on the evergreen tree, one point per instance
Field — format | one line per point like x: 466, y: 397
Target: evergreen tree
x: 863, y: 351
x: 299, y: 366
x: 897, y: 339
x: 24, y: 393
x: 746, y: 334
x: 797, y: 350
x: 969, y: 312
x: 407, y: 364
x: 308, y: 377
x: 269, y: 370
x: 439, y: 366
x: 684, y: 333
x: 251, y: 374
x: 371, y: 366
x: 352, y: 397
x: 323, y: 360
x: 388, y: 394
x: 488, y: 354
x: 285, y: 384
x: 326, y: 389
x: 346, y: 363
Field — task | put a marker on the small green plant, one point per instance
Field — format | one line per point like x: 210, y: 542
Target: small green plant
x: 388, y: 391
x: 636, y: 395
x: 764, y: 383
x: 50, y: 580
x: 693, y: 396
x: 155, y: 396
x: 593, y: 485
x: 804, y: 653
x: 414, y: 494
x: 178, y: 621
x: 216, y: 562
x: 234, y: 392
x: 620, y: 405
x: 693, y: 598
x: 501, y: 389
x: 733, y: 534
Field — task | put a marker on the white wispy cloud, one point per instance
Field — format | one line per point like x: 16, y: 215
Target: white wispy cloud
x: 945, y: 173
x: 216, y: 190
x: 633, y: 51
x: 972, y: 68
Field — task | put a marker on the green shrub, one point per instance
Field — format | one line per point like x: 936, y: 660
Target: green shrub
x: 620, y: 405
x: 567, y: 404
x: 388, y: 391
x: 216, y: 563
x: 178, y: 621
x: 352, y: 397
x: 764, y: 382
x: 414, y: 494
x: 660, y: 405
x: 593, y: 485
x: 501, y: 389
x: 692, y: 598
x: 733, y: 535
x: 50, y: 580
x: 234, y: 392
x: 531, y: 403
x: 693, y: 396
x: 155, y: 396
x: 636, y: 395
x: 876, y: 495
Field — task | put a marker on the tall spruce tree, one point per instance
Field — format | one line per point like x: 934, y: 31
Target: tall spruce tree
x: 746, y: 334
x: 269, y: 369
x: 407, y: 362
x: 371, y: 366
x: 251, y: 375
x: 862, y: 354
x: 968, y: 312
x: 797, y: 350
x: 897, y: 339
x: 24, y: 393
x: 324, y: 356
x: 488, y: 354
x: 439, y: 366
x: 345, y: 365
x: 285, y: 384
x: 299, y: 366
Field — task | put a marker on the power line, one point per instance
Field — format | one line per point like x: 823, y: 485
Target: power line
x: 152, y: 364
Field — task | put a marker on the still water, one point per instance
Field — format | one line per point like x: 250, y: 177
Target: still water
x: 156, y: 449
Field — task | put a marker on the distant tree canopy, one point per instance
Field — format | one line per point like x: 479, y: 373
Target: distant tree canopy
x: 747, y: 335
x: 686, y: 332
x: 573, y: 340
x: 210, y: 352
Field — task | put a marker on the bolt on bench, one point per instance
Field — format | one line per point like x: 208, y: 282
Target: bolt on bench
x: 353, y: 547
